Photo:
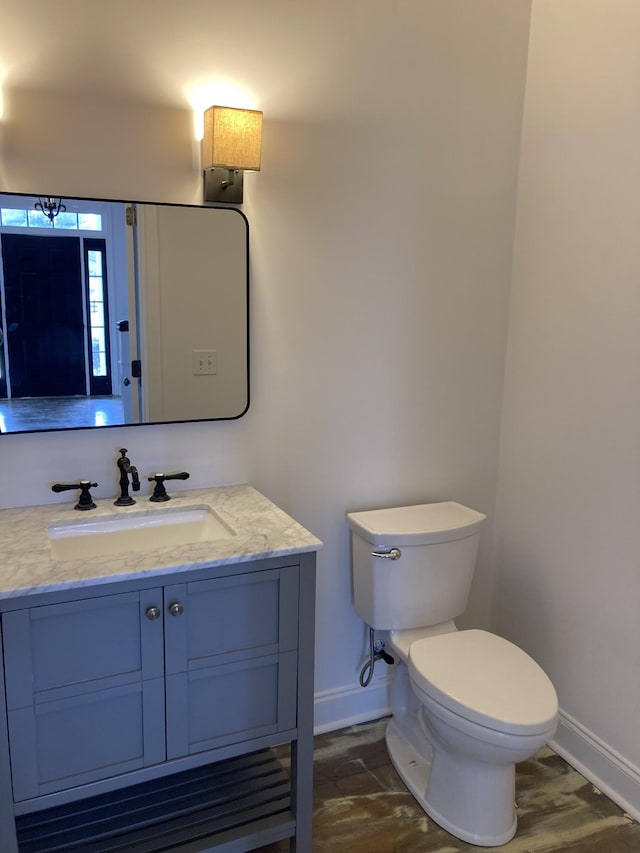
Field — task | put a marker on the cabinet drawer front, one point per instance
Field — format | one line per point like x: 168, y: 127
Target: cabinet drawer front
x: 231, y: 619
x: 68, y: 742
x: 82, y: 642
x: 209, y: 708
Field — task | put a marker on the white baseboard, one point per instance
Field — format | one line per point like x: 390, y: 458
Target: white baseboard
x: 346, y: 706
x: 607, y: 769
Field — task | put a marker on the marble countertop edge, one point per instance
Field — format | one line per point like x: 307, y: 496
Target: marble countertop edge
x: 261, y: 529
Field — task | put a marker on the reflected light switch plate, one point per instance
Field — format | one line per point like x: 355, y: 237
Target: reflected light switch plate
x: 204, y: 362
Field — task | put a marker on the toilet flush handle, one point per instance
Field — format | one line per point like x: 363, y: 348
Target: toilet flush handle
x: 393, y: 554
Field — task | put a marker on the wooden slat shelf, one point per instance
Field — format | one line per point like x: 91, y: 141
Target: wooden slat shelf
x: 208, y: 808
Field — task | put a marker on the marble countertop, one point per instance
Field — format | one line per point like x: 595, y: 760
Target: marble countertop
x: 261, y: 530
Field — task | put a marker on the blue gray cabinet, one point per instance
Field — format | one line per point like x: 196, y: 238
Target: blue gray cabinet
x: 137, y: 710
x: 85, y: 691
x: 231, y: 663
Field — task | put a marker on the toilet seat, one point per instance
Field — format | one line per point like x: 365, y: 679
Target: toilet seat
x: 485, y: 679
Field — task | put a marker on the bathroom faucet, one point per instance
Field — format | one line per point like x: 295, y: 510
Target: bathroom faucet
x: 126, y: 468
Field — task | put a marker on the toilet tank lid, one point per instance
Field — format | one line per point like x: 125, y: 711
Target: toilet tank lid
x: 421, y: 524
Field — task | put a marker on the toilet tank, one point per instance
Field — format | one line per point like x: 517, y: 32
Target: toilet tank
x: 429, y: 581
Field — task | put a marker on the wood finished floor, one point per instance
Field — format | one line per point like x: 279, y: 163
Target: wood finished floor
x: 43, y: 413
x: 362, y: 806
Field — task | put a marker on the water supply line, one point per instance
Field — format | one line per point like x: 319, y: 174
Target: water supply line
x: 376, y: 652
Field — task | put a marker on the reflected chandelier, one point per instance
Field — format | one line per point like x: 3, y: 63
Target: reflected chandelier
x: 50, y: 206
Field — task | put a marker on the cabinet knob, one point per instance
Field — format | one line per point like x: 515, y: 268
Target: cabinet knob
x: 176, y: 609
x: 152, y: 612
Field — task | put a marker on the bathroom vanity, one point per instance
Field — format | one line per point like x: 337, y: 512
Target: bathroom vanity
x: 143, y: 692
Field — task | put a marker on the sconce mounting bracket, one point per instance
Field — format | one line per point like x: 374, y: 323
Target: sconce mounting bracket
x: 223, y: 185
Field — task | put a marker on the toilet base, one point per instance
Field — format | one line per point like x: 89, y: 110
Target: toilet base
x: 412, y: 767
x: 492, y: 826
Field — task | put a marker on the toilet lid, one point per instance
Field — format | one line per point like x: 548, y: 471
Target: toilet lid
x: 486, y: 679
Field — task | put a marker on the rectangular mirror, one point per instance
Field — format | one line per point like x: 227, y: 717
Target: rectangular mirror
x: 119, y: 313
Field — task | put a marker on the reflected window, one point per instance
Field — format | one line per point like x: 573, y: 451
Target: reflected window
x: 11, y: 217
x: 97, y: 316
x: 14, y: 218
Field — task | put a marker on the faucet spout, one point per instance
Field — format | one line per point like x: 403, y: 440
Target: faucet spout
x: 135, y: 479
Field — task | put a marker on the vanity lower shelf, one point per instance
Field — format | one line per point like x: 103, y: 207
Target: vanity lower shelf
x: 211, y: 807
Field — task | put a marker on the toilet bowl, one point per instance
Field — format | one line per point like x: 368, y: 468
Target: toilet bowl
x: 466, y: 705
x: 481, y: 705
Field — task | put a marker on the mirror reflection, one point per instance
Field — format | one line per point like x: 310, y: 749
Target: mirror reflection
x: 121, y: 313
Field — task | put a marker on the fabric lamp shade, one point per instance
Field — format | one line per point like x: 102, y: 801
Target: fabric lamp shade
x: 232, y: 139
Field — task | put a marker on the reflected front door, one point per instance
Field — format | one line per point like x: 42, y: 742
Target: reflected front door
x: 45, y: 327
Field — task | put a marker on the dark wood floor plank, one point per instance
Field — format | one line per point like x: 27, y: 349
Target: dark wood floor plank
x: 362, y: 806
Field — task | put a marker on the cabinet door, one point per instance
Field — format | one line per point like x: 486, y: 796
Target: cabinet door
x: 230, y: 659
x: 85, y: 691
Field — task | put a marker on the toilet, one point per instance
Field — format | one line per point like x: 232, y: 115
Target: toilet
x: 466, y: 705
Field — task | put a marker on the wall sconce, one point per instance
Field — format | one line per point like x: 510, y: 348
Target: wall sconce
x: 231, y: 145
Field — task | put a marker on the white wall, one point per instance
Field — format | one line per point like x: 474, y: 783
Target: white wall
x: 381, y: 234
x: 567, y: 582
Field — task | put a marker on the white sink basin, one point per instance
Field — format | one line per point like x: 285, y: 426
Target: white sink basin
x: 135, y: 531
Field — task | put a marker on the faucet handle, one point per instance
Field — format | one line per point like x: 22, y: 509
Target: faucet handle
x: 181, y: 476
x: 159, y: 491
x: 85, y: 501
